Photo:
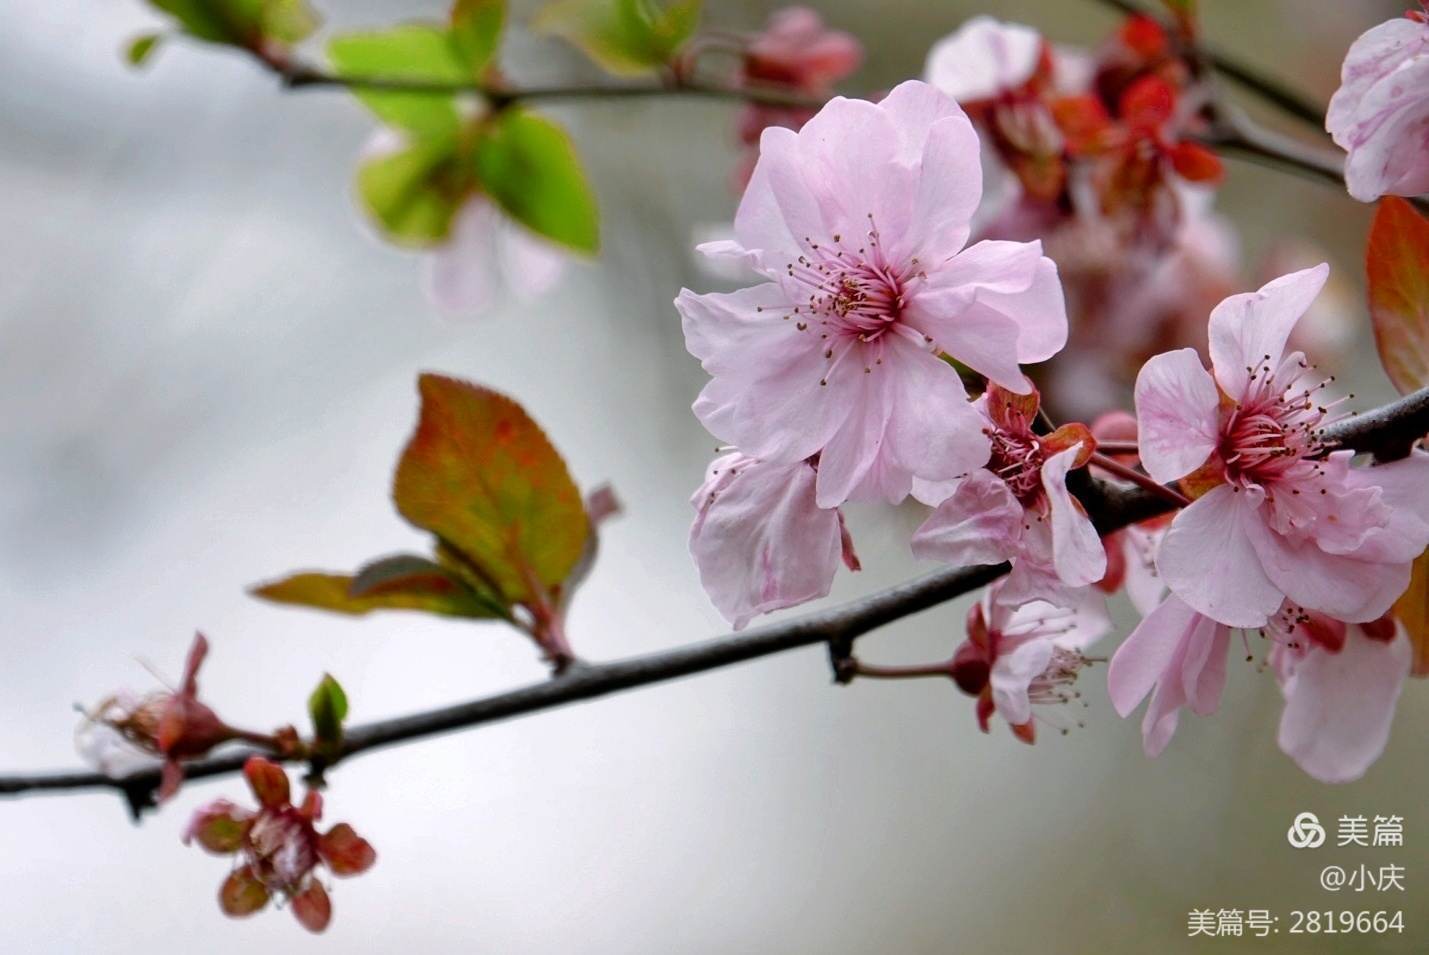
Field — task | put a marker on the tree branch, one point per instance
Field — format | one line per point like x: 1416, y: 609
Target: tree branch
x: 303, y: 77
x: 1387, y: 431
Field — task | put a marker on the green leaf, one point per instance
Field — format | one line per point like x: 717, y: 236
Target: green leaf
x: 481, y: 475
x: 289, y: 20
x: 440, y: 592
x: 1397, y: 261
x: 141, y: 48
x: 413, y: 193
x: 244, y: 23
x: 625, y: 37
x: 328, y: 708
x: 529, y: 166
x: 415, y: 52
x: 476, y: 31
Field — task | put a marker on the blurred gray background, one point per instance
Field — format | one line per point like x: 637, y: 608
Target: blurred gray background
x: 206, y: 372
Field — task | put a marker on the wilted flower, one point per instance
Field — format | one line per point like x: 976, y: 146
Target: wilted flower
x: 171, y: 725
x: 858, y: 222
x: 278, y: 848
x: 760, y: 541
x: 1380, y: 113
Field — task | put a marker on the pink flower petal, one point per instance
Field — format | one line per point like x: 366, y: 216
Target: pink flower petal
x: 1249, y: 331
x: 984, y: 57
x: 760, y: 541
x: 1176, y: 414
x: 1077, y: 550
x: 461, y: 274
x: 981, y: 523
x: 1011, y: 675
x: 1338, y: 586
x: 1339, y: 706
x: 933, y: 432
x: 1146, y: 654
x: 1208, y: 560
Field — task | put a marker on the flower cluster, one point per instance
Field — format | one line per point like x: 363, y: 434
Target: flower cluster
x: 844, y: 376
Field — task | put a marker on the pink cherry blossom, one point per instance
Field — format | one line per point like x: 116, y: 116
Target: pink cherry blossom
x: 1284, y: 514
x: 1380, y: 113
x: 1015, y: 658
x: 858, y: 222
x: 1341, y: 685
x: 279, y: 847
x: 1018, y: 508
x: 760, y: 541
x: 984, y: 58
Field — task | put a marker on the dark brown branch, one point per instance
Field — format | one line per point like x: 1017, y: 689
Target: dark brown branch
x: 1386, y: 431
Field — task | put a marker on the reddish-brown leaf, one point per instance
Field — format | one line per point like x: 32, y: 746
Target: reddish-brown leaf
x: 481, y: 475
x: 1397, y: 262
x: 1412, y: 610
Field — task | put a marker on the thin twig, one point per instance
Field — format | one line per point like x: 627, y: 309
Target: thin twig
x: 308, y: 77
x: 1383, y: 430
x: 1149, y: 485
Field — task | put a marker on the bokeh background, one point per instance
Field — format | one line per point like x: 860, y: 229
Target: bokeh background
x: 207, y: 370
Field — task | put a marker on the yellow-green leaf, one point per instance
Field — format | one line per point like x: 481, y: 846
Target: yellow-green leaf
x: 476, y: 31
x: 141, y: 48
x: 447, y: 596
x: 1412, y: 610
x: 327, y: 707
x: 625, y: 37
x: 413, y: 193
x: 1397, y: 263
x: 413, y: 52
x: 529, y: 166
x: 245, y: 23
x: 481, y: 475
